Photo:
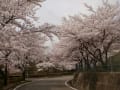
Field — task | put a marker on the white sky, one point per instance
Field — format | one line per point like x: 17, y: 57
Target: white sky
x: 52, y: 11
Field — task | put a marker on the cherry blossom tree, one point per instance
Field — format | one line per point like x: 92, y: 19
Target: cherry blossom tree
x: 92, y: 39
x: 29, y: 49
x: 12, y: 14
x: 12, y: 10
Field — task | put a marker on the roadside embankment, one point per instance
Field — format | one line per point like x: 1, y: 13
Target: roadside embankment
x: 96, y: 81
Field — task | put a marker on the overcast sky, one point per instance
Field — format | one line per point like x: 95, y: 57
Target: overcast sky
x: 52, y: 11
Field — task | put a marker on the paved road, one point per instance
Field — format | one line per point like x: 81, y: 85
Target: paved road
x: 47, y: 84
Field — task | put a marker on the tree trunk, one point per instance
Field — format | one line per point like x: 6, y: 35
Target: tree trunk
x: 23, y: 75
x: 6, y: 75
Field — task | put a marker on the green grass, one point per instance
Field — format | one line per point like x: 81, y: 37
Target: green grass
x: 115, y: 60
x: 112, y: 66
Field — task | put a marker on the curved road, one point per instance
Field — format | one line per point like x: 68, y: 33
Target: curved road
x: 46, y: 84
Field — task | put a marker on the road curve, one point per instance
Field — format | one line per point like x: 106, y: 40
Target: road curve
x: 46, y: 84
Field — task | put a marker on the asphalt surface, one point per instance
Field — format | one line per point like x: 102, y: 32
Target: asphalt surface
x: 47, y: 84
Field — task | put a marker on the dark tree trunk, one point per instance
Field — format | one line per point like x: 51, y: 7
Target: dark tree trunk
x: 6, y: 75
x: 24, y: 75
x: 6, y: 68
x: 81, y: 64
